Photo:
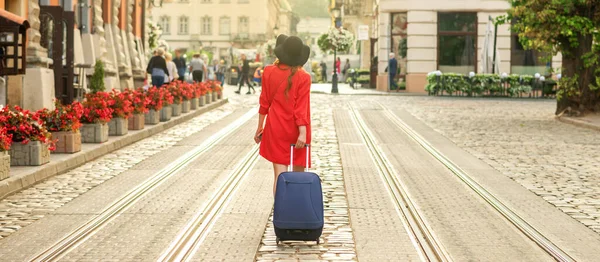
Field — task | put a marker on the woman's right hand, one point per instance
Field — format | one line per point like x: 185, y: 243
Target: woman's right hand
x: 258, y: 135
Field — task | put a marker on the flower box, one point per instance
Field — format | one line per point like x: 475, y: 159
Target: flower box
x: 194, y: 103
x: 94, y: 133
x: 202, y: 100
x: 136, y: 122
x: 185, y: 107
x: 166, y: 113
x: 214, y: 96
x: 220, y: 95
x: 208, y: 97
x: 152, y: 117
x: 67, y: 142
x: 176, y: 109
x: 34, y: 153
x: 4, y: 165
x: 118, y: 126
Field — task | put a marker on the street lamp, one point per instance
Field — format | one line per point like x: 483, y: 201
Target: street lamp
x: 334, y: 79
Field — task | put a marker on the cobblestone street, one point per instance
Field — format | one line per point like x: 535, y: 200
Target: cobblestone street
x: 386, y: 198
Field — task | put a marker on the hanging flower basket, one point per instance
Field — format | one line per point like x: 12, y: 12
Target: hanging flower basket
x: 336, y: 39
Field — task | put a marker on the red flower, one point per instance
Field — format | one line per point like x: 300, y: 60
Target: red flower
x: 121, y: 104
x: 22, y: 126
x: 138, y: 99
x: 97, y: 108
x: 63, y: 118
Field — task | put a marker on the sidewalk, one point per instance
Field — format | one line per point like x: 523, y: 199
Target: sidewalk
x: 21, y: 177
x: 345, y: 89
x: 591, y: 121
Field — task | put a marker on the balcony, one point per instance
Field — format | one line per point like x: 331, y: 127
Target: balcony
x: 245, y: 37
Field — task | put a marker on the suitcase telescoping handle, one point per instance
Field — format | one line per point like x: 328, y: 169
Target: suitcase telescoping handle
x: 291, y: 166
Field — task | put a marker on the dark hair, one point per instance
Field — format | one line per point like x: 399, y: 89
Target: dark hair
x: 293, y: 70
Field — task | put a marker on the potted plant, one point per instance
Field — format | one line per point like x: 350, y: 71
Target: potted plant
x: 177, y: 94
x: 122, y: 109
x: 31, y: 142
x: 196, y: 94
x: 97, y: 112
x: 188, y: 94
x: 140, y: 102
x: 5, y: 142
x: 167, y: 101
x: 201, y: 92
x: 155, y: 99
x: 207, y: 94
x: 64, y: 123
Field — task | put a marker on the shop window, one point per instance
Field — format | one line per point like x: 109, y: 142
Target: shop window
x: 399, y: 41
x: 526, y: 62
x: 457, y: 42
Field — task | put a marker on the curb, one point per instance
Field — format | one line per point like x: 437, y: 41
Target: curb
x: 21, y: 177
x: 577, y: 122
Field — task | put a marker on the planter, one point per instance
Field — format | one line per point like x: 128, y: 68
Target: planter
x: 94, y: 133
x: 4, y: 165
x: 67, y: 142
x: 166, y: 113
x: 176, y: 109
x: 194, y: 103
x: 208, y: 97
x: 202, y: 100
x: 118, y: 126
x: 185, y: 107
x: 214, y: 96
x: 152, y: 117
x: 33, y: 153
x: 220, y: 95
x: 136, y: 122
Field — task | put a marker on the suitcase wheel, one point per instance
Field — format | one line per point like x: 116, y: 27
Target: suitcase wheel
x: 277, y: 240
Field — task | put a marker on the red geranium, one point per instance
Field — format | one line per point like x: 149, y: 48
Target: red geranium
x: 187, y: 90
x: 139, y: 100
x: 215, y: 86
x: 97, y: 108
x: 158, y: 98
x: 62, y: 118
x: 121, y: 104
x: 23, y: 126
x: 180, y: 91
x: 5, y: 139
x: 201, y: 89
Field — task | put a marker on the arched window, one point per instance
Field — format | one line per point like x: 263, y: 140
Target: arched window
x: 225, y: 25
x: 183, y: 25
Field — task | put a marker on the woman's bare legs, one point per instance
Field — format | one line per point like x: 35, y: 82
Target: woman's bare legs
x: 278, y: 169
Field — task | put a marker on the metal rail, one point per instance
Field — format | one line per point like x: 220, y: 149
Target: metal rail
x: 187, y: 241
x: 515, y: 219
x: 429, y: 248
x: 66, y: 244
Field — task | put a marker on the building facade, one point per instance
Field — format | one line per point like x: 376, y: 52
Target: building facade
x: 217, y: 25
x: 448, y: 36
x: 65, y: 40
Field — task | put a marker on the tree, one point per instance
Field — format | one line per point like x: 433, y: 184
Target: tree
x: 570, y: 27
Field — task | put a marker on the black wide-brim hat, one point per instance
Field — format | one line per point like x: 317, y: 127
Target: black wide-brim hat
x: 292, y: 51
x: 280, y: 39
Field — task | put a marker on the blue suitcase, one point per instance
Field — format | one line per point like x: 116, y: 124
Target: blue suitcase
x: 298, y: 211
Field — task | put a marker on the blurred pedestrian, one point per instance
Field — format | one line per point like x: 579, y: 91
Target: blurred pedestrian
x: 157, y: 68
x: 392, y: 71
x: 245, y: 75
x: 323, y: 72
x: 258, y: 75
x: 221, y: 69
x: 346, y: 68
x: 198, y: 68
x: 172, y: 68
x: 180, y: 63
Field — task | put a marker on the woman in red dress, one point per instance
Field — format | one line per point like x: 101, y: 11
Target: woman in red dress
x: 285, y: 98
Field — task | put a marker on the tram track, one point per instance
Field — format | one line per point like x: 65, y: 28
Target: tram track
x: 189, y: 239
x: 527, y: 229
x: 86, y: 230
x: 421, y: 234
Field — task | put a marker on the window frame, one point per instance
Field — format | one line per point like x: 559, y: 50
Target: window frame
x: 166, y: 30
x: 247, y: 25
x: 187, y: 25
x: 458, y: 33
x: 221, y: 27
x: 203, y: 24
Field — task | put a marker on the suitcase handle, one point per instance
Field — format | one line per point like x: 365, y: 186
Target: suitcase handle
x: 291, y: 166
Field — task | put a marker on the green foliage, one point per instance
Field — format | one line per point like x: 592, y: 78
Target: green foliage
x: 403, y: 47
x: 97, y: 79
x: 485, y: 85
x: 571, y: 28
x: 312, y: 8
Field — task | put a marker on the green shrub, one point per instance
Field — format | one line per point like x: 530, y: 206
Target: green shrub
x: 483, y: 84
x: 97, y: 79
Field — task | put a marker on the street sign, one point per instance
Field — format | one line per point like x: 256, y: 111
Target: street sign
x: 363, y: 32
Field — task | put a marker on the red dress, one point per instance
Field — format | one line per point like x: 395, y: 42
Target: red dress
x: 284, y: 114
